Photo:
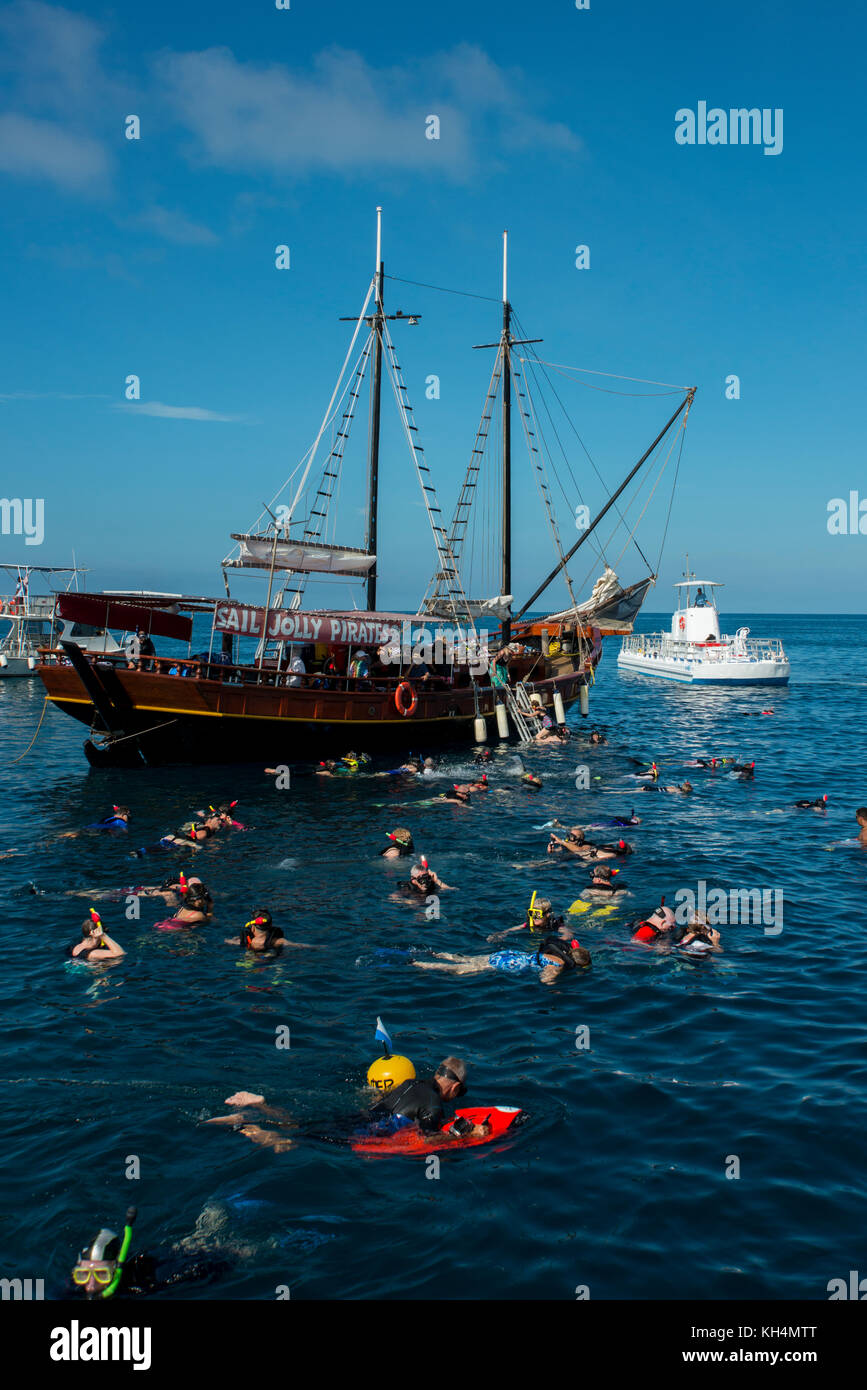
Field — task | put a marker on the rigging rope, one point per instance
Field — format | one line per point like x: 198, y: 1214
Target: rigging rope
x: 13, y: 761
x: 442, y: 289
x: 615, y: 376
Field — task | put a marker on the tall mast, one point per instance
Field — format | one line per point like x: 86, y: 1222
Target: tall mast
x: 506, y: 575
x: 376, y: 402
x: 504, y: 345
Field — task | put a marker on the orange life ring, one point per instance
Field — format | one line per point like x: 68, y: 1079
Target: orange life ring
x: 682, y: 622
x: 405, y: 689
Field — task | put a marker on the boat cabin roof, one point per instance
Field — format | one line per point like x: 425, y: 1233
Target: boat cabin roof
x: 698, y: 584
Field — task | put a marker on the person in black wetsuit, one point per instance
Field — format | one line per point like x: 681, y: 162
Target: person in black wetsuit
x: 422, y: 1103
x: 104, y: 1268
x: 417, y: 1102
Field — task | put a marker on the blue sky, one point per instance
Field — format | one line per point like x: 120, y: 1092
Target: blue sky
x: 262, y: 127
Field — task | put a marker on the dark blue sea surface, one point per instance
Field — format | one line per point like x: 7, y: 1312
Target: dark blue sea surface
x: 618, y: 1180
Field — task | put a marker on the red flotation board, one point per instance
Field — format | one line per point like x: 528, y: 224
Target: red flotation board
x: 412, y: 1142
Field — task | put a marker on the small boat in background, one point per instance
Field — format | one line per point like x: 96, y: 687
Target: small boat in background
x: 695, y: 652
x: 34, y: 622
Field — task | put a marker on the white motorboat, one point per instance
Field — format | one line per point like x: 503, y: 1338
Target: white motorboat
x: 696, y: 653
x: 33, y: 623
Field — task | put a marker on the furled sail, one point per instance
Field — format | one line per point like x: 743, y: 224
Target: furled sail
x: 610, y: 605
x: 499, y: 607
x: 304, y: 557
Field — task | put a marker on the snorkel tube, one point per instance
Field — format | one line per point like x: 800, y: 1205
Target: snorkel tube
x: 530, y: 909
x: 97, y: 922
x: 124, y: 1251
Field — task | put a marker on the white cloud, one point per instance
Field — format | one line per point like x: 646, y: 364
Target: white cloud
x: 37, y: 149
x: 52, y: 53
x: 337, y: 113
x: 175, y: 227
x: 345, y: 116
x: 52, y: 396
x: 175, y: 412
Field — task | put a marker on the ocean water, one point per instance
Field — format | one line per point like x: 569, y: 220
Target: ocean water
x: 754, y: 1061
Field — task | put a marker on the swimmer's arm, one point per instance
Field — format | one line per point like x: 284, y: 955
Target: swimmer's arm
x: 550, y: 973
x: 111, y: 949
x: 301, y: 945
x: 507, y: 931
x: 232, y: 940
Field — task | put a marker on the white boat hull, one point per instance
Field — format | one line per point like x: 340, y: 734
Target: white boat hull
x: 691, y: 671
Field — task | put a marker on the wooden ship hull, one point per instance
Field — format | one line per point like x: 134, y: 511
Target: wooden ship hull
x: 224, y: 715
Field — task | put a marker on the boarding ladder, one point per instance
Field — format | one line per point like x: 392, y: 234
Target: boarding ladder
x: 517, y: 703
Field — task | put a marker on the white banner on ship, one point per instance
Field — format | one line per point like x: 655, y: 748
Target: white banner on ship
x: 284, y: 626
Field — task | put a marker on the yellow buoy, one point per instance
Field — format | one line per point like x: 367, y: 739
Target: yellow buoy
x: 387, y: 1072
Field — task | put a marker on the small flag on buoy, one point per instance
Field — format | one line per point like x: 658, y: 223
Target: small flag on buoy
x: 381, y: 1035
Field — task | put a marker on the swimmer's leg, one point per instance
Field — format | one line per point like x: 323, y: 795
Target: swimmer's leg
x: 457, y: 965
x: 267, y: 1138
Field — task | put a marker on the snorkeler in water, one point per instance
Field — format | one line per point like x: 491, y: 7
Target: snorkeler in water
x: 531, y: 781
x: 617, y: 822
x: 168, y: 891
x: 480, y: 785
x: 197, y: 908
x: 192, y: 833
x: 417, y: 1102
x: 684, y: 789
x: 422, y: 882
x: 222, y: 818
x: 260, y: 934
x: 116, y: 822
x: 651, y: 773
x: 95, y: 944
x: 458, y: 795
x: 401, y: 844
x: 699, y: 939
x: 656, y: 928
x: 598, y: 738
x: 540, y: 920
x: 576, y: 843
x: 106, y: 1268
x: 604, y: 880
x: 861, y: 818
x: 554, y: 956
x: 573, y: 843
x: 820, y: 804
x: 347, y: 766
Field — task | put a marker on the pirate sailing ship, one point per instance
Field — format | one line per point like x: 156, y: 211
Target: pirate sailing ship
x: 323, y: 680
